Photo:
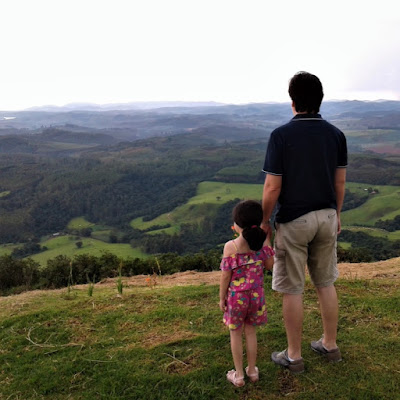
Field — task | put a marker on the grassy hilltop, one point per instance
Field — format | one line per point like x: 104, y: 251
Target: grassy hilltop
x: 169, y: 343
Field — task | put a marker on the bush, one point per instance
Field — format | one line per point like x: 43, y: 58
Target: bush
x: 56, y: 272
x: 15, y: 273
x: 24, y: 274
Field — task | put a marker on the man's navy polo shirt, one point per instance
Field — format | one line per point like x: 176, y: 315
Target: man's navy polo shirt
x: 305, y: 152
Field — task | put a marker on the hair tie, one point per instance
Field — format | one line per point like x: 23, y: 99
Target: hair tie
x: 254, y: 226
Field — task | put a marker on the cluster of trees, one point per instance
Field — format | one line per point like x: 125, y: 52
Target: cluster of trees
x: 17, y: 275
x: 27, y: 249
x: 353, y: 199
x: 390, y: 225
x: 373, y: 169
x: 366, y: 248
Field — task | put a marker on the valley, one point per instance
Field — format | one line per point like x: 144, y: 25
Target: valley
x: 137, y: 183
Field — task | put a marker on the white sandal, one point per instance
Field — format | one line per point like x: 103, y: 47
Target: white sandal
x: 231, y: 376
x: 253, y: 377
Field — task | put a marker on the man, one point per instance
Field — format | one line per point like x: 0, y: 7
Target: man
x: 305, y: 164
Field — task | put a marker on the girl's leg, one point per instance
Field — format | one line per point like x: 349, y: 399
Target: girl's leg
x: 237, y: 350
x: 251, y: 347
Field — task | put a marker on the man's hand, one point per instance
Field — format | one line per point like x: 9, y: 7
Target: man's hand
x: 266, y: 227
x: 339, y: 225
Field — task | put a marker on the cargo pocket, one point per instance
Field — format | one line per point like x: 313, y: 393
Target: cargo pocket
x: 279, y: 262
x: 332, y: 215
x: 279, y: 275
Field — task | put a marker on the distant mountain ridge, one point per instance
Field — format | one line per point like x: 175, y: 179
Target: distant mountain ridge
x: 141, y: 105
x: 132, y: 121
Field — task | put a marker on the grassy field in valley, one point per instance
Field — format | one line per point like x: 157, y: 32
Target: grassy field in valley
x: 66, y: 245
x: 7, y: 249
x: 208, y: 198
x: 383, y: 205
x: 170, y: 343
x: 79, y: 223
x: 375, y: 232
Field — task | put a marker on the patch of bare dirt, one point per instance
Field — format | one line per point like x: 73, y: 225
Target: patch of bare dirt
x: 388, y: 269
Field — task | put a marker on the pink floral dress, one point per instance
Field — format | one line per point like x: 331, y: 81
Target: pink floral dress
x: 246, y: 300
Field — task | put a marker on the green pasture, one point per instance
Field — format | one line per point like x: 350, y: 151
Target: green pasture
x: 61, y: 146
x: 103, y: 235
x: 221, y: 192
x: 344, y: 245
x: 79, y: 223
x: 66, y: 245
x: 6, y: 249
x: 183, y: 214
x: 375, y: 232
x: 170, y: 343
x: 383, y: 205
x: 210, y: 195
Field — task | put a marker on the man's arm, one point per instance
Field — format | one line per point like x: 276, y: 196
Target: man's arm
x: 340, y: 182
x: 271, y: 192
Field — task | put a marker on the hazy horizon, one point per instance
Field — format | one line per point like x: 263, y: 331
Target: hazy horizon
x: 103, y: 52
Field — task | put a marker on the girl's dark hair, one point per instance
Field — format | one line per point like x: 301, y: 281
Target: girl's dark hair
x: 248, y: 215
x: 306, y: 92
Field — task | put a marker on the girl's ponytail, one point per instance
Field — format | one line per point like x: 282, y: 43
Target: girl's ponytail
x: 254, y: 236
x: 248, y: 215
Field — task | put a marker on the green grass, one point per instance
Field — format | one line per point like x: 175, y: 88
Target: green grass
x: 103, y: 235
x: 168, y: 344
x: 6, y: 249
x: 79, y: 223
x: 57, y: 146
x: 383, y: 205
x: 208, y: 192
x: 66, y: 245
x: 375, y: 232
x: 210, y: 195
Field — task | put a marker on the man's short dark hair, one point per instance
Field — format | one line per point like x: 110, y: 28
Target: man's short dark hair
x: 306, y: 92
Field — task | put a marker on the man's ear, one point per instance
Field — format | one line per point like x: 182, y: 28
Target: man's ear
x: 294, y: 108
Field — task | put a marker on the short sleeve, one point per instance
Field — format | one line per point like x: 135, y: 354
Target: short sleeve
x: 228, y: 263
x: 342, y: 153
x: 273, y: 163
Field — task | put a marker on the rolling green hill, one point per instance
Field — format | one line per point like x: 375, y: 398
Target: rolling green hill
x: 209, y: 196
x: 65, y: 245
x: 382, y: 205
x: 170, y: 171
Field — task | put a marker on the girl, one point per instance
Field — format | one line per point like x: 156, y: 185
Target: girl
x: 241, y: 290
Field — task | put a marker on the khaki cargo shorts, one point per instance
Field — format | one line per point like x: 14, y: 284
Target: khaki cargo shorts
x: 308, y: 240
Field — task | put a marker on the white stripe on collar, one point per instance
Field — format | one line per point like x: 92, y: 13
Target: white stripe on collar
x: 307, y: 119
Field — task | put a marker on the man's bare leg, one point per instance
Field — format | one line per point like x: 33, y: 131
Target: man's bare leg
x: 293, y: 317
x: 329, y: 312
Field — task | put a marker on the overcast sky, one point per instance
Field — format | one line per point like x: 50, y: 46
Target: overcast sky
x: 107, y: 51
